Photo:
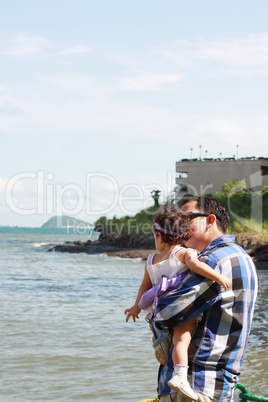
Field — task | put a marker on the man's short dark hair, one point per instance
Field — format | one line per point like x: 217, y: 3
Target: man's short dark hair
x: 210, y: 206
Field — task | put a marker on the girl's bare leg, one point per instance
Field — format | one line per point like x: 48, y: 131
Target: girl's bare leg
x: 181, y: 340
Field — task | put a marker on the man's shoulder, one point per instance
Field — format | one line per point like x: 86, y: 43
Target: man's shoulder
x: 223, y: 245
x: 225, y: 249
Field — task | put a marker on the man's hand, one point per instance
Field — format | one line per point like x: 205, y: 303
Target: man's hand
x: 133, y: 312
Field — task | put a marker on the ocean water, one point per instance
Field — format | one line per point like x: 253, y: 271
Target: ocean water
x: 63, y: 330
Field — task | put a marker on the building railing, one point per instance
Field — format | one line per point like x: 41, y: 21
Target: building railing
x: 223, y: 159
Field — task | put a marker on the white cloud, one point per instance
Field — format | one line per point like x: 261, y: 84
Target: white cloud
x: 10, y: 109
x: 218, y: 130
x: 76, y: 100
x: 149, y: 81
x: 75, y: 50
x: 90, y: 107
x: 70, y: 80
x: 3, y: 88
x: 24, y: 45
x: 234, y: 55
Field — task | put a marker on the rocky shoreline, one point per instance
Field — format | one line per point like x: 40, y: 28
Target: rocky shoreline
x: 134, y: 246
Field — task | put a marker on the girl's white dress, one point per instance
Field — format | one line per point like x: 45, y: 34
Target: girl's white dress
x: 168, y: 267
x: 160, y: 273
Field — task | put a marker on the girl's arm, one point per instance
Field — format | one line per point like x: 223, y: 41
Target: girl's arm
x: 146, y: 284
x: 201, y: 268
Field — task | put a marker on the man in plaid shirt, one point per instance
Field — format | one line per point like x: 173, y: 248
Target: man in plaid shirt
x: 218, y: 343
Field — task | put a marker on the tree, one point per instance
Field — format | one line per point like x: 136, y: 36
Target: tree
x: 235, y: 186
x: 156, y: 195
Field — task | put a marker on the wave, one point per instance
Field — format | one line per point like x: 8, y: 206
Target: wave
x: 44, y: 244
x: 108, y: 257
x: 16, y: 241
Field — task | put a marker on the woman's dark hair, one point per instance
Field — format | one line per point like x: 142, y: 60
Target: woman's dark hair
x: 210, y: 206
x: 171, y: 218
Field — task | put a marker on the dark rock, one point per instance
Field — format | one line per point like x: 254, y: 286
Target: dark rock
x: 104, y: 229
x: 140, y: 246
x: 142, y: 254
x: 261, y: 265
x: 78, y: 243
x: 258, y: 250
x: 247, y: 240
x: 110, y: 242
x: 129, y: 241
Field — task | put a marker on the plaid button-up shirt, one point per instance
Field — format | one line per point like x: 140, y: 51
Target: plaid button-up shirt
x: 218, y: 343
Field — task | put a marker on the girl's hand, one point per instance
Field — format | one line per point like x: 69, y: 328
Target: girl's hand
x: 133, y: 312
x: 224, y: 281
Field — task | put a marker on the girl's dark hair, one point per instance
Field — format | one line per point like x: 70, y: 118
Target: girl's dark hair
x: 173, y: 219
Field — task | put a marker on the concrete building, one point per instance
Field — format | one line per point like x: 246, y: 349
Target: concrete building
x: 206, y: 176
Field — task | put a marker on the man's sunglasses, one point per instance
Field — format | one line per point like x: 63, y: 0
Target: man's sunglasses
x: 193, y: 215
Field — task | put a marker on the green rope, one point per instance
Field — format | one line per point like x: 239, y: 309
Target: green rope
x: 246, y: 396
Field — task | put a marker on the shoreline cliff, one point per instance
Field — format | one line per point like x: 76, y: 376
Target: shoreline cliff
x: 140, y: 246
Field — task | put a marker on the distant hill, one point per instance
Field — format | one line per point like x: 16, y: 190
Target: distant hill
x: 65, y: 221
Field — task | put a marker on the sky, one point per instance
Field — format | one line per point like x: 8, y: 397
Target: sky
x: 100, y: 98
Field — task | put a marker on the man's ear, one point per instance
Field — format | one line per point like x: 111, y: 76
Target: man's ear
x: 211, y: 219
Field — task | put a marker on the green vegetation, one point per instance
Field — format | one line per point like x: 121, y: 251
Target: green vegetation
x: 248, y: 212
x: 141, y: 223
